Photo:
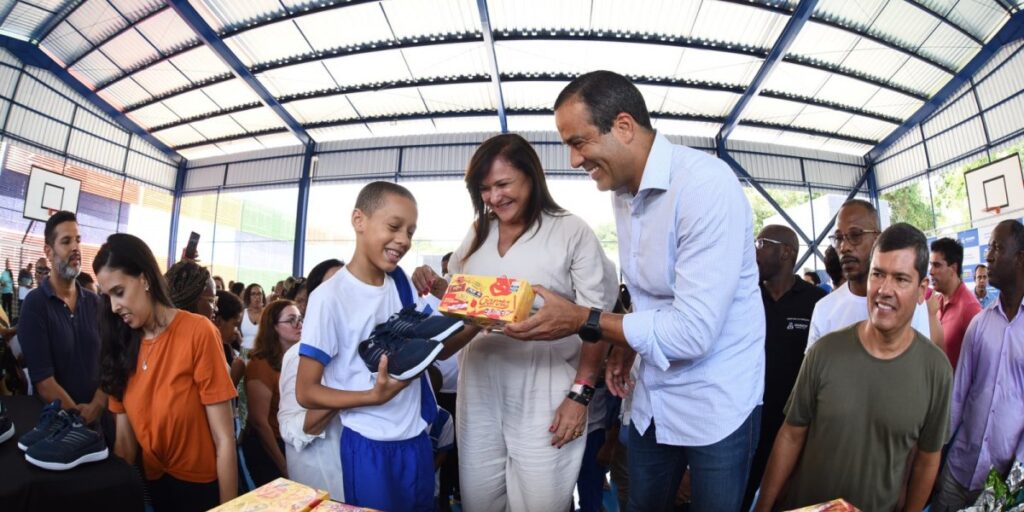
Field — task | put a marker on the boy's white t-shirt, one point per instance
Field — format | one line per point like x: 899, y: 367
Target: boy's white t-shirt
x: 341, y: 313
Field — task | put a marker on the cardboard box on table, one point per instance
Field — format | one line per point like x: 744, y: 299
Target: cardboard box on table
x: 280, y: 495
x: 487, y: 301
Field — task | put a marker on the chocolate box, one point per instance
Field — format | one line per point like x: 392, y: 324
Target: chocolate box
x: 487, y: 301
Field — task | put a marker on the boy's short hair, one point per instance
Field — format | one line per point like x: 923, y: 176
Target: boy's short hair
x: 371, y: 197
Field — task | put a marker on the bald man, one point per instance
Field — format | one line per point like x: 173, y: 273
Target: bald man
x: 788, y: 304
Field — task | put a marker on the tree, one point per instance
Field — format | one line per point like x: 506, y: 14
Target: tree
x: 906, y: 205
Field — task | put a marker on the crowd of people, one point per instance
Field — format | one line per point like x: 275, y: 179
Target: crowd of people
x: 705, y: 375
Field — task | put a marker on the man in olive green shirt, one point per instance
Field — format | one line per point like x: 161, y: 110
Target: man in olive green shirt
x: 867, y: 396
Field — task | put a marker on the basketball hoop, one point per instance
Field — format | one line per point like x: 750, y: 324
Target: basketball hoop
x: 50, y: 212
x: 995, y: 210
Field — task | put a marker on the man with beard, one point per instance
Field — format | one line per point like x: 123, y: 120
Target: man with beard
x: 857, y: 228
x: 58, y: 328
x: 988, y: 391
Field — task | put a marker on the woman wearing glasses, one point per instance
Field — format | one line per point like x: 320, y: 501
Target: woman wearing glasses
x: 280, y: 327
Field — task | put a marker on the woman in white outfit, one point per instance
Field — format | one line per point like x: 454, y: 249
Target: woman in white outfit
x: 520, y: 437
x: 254, y: 301
x: 312, y: 438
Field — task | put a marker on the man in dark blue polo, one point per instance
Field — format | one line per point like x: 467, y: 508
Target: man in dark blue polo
x: 58, y: 329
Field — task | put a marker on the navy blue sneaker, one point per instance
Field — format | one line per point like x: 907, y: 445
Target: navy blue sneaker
x: 407, y: 357
x: 70, y: 445
x: 6, y: 425
x: 47, y: 425
x: 409, y: 323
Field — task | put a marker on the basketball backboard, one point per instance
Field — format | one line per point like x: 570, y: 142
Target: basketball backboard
x: 996, y: 188
x: 49, y: 192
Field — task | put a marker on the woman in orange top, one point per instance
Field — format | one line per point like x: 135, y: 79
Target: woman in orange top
x: 169, y: 387
x: 280, y: 328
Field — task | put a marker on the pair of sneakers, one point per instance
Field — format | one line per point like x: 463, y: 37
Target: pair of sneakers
x: 61, y: 440
x: 411, y: 339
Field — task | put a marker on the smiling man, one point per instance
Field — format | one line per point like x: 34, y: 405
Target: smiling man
x: 700, y: 335
x: 857, y: 228
x: 867, y: 396
x: 58, y: 328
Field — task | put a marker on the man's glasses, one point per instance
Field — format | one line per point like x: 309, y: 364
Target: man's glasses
x: 854, y: 237
x: 294, y: 321
x: 759, y: 243
x: 42, y: 271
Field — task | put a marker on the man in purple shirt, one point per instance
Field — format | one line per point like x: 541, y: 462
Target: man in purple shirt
x: 987, y: 413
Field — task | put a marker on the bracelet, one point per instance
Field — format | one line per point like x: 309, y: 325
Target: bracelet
x: 581, y: 393
x: 576, y: 397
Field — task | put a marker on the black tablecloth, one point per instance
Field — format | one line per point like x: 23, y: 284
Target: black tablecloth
x: 107, y: 485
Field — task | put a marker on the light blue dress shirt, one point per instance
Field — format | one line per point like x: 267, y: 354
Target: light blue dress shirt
x: 686, y: 246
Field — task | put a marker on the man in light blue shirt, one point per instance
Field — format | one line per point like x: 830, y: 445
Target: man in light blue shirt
x: 700, y: 334
x: 986, y: 293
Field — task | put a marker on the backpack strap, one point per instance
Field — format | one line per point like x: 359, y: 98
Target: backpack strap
x: 428, y: 404
x: 404, y: 288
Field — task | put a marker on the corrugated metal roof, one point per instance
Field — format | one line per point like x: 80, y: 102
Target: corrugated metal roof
x: 393, y: 52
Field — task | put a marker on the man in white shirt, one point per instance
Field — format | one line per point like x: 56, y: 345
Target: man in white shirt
x: 857, y: 227
x: 699, y: 334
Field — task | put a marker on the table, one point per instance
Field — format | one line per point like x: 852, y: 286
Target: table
x: 111, y: 484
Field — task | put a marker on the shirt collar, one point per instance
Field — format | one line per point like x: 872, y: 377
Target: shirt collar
x: 659, y: 162
x: 957, y: 296
x: 47, y: 288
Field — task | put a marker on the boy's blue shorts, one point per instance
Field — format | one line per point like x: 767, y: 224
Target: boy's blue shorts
x: 387, y: 475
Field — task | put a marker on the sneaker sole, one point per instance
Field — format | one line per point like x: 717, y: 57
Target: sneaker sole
x: 7, y: 435
x: 64, y: 466
x: 416, y: 370
x: 447, y: 333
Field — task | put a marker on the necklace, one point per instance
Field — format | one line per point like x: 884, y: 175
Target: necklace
x: 145, y: 359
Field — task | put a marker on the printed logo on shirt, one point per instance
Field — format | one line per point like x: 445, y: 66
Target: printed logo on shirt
x: 798, y: 324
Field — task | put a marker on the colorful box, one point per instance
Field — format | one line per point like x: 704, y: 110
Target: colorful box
x: 487, y: 301
x: 281, y: 495
x: 839, y: 505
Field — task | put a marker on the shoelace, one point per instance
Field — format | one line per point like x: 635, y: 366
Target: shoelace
x: 67, y: 421
x: 405, y: 321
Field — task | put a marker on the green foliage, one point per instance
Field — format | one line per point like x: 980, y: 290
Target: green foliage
x: 906, y: 204
x: 763, y: 209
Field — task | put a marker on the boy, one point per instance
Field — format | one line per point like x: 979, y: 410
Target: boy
x: 386, y: 457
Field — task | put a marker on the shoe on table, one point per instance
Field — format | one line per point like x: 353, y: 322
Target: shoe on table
x: 6, y: 424
x: 407, y: 357
x: 47, y: 425
x: 410, y: 323
x: 70, y: 445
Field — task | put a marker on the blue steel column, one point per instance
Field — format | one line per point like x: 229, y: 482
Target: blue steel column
x: 789, y: 33
x: 179, y: 189
x: 872, y: 186
x: 485, y: 26
x: 302, y: 211
x: 208, y: 36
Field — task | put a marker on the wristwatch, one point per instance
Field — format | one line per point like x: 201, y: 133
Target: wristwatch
x: 581, y: 393
x: 591, y: 331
